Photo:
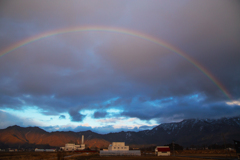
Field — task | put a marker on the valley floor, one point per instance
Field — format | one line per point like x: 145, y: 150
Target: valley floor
x: 95, y: 156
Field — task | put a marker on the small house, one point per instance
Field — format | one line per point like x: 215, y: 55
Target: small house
x: 162, y: 151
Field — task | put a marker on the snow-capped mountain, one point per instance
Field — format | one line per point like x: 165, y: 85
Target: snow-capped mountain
x: 198, y: 131
x: 186, y: 133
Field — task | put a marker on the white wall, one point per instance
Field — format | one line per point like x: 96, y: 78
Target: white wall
x: 69, y: 147
x: 118, y: 146
x: 163, y: 153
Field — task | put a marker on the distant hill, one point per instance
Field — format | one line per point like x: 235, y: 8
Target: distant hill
x: 187, y: 132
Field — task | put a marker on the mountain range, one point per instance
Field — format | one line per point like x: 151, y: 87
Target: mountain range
x: 187, y: 132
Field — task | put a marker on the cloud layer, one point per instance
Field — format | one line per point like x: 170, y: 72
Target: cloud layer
x: 117, y: 75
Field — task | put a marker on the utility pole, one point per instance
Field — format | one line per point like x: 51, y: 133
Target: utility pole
x: 225, y: 145
x: 173, y: 148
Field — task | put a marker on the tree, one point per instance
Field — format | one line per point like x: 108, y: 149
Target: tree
x: 176, y: 146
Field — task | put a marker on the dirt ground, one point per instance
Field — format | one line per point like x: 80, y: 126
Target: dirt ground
x: 151, y: 157
x: 184, y: 155
x: 31, y: 155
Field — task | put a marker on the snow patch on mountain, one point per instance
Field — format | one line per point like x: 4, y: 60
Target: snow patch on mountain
x: 128, y: 135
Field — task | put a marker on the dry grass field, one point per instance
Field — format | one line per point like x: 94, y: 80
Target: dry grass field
x: 32, y: 155
x: 183, y: 155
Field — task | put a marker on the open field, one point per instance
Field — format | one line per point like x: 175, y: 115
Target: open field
x: 32, y: 155
x: 184, y: 155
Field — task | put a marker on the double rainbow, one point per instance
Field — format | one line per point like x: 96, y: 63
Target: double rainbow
x: 122, y: 31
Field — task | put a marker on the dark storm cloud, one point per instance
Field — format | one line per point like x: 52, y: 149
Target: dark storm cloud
x: 182, y: 108
x: 109, y: 70
x: 76, y: 116
x: 62, y: 117
x: 146, y: 127
x: 100, y: 114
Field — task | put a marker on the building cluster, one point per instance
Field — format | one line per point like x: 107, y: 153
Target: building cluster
x: 119, y: 149
x: 73, y: 146
x: 114, y: 149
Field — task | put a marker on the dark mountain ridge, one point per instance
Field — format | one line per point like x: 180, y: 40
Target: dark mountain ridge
x: 187, y: 132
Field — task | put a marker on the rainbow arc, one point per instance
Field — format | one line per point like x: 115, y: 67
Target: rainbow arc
x: 122, y: 31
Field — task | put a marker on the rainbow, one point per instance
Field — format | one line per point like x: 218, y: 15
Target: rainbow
x: 123, y: 31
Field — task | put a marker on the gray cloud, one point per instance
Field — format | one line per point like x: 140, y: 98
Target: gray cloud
x: 62, y: 117
x: 146, y: 127
x: 181, y: 108
x: 99, y: 114
x: 76, y: 116
x: 48, y: 113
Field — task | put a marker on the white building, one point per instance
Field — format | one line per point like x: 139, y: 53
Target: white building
x: 162, y: 151
x: 73, y: 146
x: 39, y: 150
x: 119, y: 149
x: 118, y: 146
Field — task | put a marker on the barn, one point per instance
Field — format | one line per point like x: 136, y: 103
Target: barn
x: 162, y: 151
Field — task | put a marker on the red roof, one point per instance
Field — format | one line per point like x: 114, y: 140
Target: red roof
x: 163, y: 149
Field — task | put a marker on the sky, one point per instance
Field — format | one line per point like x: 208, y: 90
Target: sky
x: 117, y: 65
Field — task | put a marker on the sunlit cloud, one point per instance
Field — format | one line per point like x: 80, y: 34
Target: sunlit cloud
x: 110, y: 120
x: 132, y: 119
x: 233, y: 103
